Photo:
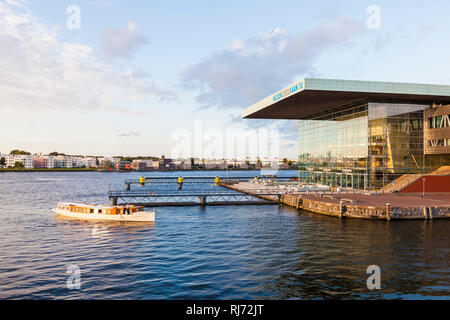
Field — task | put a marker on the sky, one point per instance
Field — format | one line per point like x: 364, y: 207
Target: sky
x: 107, y: 77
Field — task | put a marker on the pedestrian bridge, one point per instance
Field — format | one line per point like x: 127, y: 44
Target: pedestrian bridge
x: 157, y: 198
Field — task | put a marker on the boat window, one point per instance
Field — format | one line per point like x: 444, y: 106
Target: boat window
x: 92, y: 210
x: 99, y: 210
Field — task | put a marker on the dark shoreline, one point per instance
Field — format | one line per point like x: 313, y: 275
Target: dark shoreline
x: 50, y: 170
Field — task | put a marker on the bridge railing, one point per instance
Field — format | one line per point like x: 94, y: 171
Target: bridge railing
x: 165, y: 193
x: 195, y: 179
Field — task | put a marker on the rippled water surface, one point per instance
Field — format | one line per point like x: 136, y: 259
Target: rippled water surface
x: 216, y: 252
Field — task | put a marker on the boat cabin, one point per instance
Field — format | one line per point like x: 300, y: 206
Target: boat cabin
x: 94, y: 209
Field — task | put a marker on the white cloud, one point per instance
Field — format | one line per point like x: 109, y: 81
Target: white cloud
x: 248, y: 71
x: 122, y: 42
x: 16, y: 3
x: 38, y: 72
x: 237, y: 44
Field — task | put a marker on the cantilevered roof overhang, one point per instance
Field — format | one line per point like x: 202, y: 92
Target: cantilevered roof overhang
x: 310, y: 96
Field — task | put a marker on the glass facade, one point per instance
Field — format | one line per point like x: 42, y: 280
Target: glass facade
x: 363, y: 145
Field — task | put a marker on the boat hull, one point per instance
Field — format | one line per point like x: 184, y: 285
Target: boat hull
x: 143, y: 216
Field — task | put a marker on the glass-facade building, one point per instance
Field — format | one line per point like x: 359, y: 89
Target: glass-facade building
x: 363, y: 134
x: 362, y: 145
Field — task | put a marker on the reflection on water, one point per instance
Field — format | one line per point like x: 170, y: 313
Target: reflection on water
x: 102, y: 229
x: 233, y: 252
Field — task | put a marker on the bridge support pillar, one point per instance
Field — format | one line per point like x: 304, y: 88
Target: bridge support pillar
x: 127, y: 186
x: 113, y: 201
x: 388, y: 211
x: 180, y: 183
x: 203, y: 200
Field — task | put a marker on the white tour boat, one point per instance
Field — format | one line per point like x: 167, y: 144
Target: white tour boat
x: 99, y: 212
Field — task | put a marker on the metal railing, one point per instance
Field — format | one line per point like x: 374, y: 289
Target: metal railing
x: 195, y: 179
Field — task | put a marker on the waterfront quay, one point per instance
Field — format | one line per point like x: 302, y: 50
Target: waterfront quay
x: 358, y: 204
x: 320, y: 199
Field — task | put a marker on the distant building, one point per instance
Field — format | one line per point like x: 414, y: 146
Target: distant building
x: 78, y: 162
x: 111, y: 160
x: 40, y: 162
x: 182, y: 164
x: 90, y: 162
x: 155, y: 165
x: 63, y: 162
x: 166, y: 164
x: 142, y: 165
x: 215, y: 164
x: 26, y: 160
x: 50, y: 162
x: 122, y: 165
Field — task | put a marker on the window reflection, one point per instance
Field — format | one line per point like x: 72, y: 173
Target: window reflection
x: 364, y: 145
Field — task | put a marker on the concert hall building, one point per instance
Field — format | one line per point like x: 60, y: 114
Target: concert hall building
x: 363, y: 134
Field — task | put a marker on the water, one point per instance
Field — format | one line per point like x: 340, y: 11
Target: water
x: 216, y: 252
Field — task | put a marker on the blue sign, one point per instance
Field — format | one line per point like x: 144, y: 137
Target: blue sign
x: 287, y: 92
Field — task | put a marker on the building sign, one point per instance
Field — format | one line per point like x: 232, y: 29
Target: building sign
x: 287, y: 92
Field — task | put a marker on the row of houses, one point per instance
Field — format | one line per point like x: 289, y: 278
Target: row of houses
x: 39, y: 161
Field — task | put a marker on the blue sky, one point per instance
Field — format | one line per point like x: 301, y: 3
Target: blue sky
x: 136, y: 72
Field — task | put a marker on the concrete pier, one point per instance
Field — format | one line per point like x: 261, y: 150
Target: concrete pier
x: 387, y: 206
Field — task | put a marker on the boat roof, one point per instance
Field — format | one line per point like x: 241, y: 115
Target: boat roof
x: 87, y: 205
